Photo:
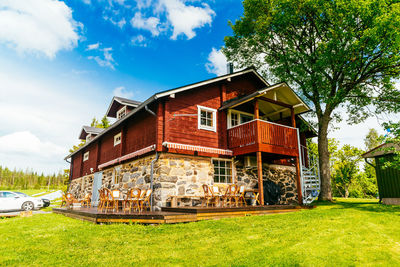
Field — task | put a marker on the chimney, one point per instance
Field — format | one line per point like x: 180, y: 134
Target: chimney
x: 229, y: 68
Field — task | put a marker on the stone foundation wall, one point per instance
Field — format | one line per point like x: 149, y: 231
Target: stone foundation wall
x: 182, y: 175
x: 81, y: 186
x: 284, y: 176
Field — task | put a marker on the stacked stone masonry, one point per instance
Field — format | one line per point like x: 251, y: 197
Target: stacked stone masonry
x: 182, y: 175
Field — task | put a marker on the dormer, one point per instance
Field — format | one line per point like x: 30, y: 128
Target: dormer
x: 88, y: 133
x: 120, y: 107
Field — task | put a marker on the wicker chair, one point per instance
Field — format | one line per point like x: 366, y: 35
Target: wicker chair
x: 116, y: 196
x: 86, y: 201
x: 216, y: 195
x: 240, y: 196
x: 229, y: 195
x: 207, y: 196
x: 145, y: 199
x: 102, y: 199
x: 132, y: 200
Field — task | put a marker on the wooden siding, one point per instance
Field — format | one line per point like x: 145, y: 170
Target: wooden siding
x: 76, y: 165
x: 388, y: 178
x: 108, y: 150
x: 91, y: 162
x: 140, y: 132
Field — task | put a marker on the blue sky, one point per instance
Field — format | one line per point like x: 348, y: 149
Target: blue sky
x: 62, y: 61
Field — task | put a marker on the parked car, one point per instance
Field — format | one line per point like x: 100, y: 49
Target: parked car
x: 46, y: 202
x: 14, y: 201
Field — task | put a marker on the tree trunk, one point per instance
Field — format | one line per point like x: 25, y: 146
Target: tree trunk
x: 346, y: 191
x: 323, y: 152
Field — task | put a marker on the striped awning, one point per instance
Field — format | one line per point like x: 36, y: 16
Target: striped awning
x: 128, y: 156
x: 212, y: 150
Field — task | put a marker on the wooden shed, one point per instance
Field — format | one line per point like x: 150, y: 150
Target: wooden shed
x: 388, y: 178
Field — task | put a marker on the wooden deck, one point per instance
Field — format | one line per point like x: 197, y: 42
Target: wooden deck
x: 174, y: 215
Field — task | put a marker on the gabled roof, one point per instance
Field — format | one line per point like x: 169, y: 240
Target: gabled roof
x: 281, y: 92
x: 117, y: 102
x: 380, y: 150
x: 89, y: 130
x: 162, y: 94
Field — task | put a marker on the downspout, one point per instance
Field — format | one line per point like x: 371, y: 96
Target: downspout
x: 300, y: 167
x: 152, y: 180
x: 70, y: 173
x: 152, y: 166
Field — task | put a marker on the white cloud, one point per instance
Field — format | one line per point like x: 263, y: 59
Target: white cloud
x: 93, y: 46
x: 38, y: 26
x: 185, y: 18
x: 216, y: 62
x: 87, y: 2
x: 150, y: 24
x: 122, y: 92
x: 139, y: 40
x: 107, y: 59
x: 41, y: 117
x: 26, y: 143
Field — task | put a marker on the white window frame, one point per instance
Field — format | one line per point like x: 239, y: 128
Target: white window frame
x: 86, y: 156
x: 88, y: 137
x: 232, y: 169
x: 214, y: 119
x: 230, y: 111
x: 117, y: 139
x: 121, y: 112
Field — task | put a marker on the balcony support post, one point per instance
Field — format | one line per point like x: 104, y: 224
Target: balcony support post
x: 293, y: 118
x: 259, y: 153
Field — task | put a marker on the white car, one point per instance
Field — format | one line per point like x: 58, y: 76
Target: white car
x: 14, y: 201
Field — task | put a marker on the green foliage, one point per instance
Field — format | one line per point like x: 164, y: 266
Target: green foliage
x: 19, y: 180
x: 334, y: 53
x: 346, y: 233
x: 373, y: 139
x: 105, y: 123
x: 393, y: 137
x: 345, y: 169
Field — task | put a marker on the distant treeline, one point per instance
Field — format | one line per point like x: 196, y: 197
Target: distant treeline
x: 18, y: 179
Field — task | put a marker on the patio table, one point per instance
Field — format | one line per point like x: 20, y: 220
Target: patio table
x: 255, y: 193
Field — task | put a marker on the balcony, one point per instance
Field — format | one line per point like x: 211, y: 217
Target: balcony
x: 264, y: 136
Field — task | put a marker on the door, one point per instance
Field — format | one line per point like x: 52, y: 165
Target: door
x: 10, y: 201
x: 97, y: 182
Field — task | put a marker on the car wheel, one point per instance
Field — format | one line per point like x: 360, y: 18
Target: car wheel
x: 27, y: 206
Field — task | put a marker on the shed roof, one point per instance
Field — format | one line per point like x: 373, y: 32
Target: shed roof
x: 384, y: 149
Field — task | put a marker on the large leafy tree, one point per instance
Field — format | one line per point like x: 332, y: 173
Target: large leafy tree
x: 334, y: 53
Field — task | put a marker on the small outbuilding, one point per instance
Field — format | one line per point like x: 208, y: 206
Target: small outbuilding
x: 388, y: 178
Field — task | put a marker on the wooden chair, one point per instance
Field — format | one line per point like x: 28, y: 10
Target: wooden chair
x: 240, y: 196
x: 145, y: 199
x: 70, y: 200
x: 229, y: 195
x: 216, y: 195
x: 116, y: 197
x: 207, y: 195
x: 63, y: 201
x: 108, y: 200
x: 132, y: 200
x: 86, y: 201
x: 102, y: 199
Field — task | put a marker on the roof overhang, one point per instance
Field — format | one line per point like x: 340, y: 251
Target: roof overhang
x: 89, y: 130
x: 280, y: 92
x: 117, y: 103
x: 384, y: 149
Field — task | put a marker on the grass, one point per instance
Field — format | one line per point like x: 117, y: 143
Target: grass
x: 348, y: 232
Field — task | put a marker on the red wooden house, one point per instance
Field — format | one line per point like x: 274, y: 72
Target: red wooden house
x: 235, y: 128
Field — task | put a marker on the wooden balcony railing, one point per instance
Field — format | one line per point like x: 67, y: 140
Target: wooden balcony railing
x: 274, y: 138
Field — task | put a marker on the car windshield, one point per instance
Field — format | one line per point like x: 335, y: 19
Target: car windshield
x: 21, y: 194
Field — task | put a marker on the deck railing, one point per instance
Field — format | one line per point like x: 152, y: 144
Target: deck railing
x: 270, y: 134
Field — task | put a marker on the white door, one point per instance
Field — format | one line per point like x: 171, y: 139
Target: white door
x: 97, y: 182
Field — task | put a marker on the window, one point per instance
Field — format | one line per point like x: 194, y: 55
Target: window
x: 88, y: 137
x: 7, y: 195
x: 238, y: 117
x: 117, y: 139
x: 207, y: 119
x: 121, y: 113
x: 234, y: 119
x: 86, y: 156
x: 222, y: 170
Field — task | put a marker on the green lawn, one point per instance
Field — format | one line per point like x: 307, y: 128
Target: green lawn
x: 345, y: 233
